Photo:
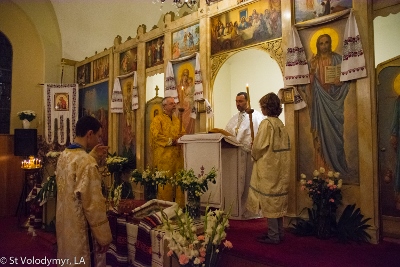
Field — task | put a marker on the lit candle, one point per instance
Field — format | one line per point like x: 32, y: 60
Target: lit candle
x: 22, y: 164
x: 40, y: 163
x: 181, y: 98
x: 248, y: 95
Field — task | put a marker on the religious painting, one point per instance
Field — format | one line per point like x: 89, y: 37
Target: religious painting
x: 83, y: 74
x: 388, y: 133
x: 153, y: 108
x: 287, y: 95
x: 326, y: 129
x: 186, y: 41
x: 101, y: 68
x: 257, y: 22
x: 305, y: 10
x: 155, y: 52
x: 61, y: 102
x: 93, y: 101
x: 127, y: 120
x: 184, y: 73
x: 128, y: 61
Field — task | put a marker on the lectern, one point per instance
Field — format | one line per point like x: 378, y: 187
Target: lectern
x: 233, y: 165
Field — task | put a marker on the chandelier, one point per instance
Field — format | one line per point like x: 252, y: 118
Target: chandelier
x: 189, y: 3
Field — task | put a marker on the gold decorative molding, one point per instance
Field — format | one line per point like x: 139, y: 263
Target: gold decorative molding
x: 216, y: 63
x: 273, y: 48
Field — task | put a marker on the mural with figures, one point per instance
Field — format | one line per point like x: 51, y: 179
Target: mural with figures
x: 186, y: 41
x: 312, y: 9
x: 184, y: 79
x: 93, y: 101
x: 247, y: 25
x: 326, y: 126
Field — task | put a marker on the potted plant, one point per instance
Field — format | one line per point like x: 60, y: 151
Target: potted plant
x: 26, y: 116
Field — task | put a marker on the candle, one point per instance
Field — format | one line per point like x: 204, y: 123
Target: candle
x: 22, y: 164
x: 248, y: 95
x: 181, y: 98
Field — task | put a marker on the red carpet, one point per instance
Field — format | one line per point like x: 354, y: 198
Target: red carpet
x: 297, y: 251
x: 21, y: 248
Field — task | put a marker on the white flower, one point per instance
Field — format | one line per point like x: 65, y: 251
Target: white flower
x: 316, y: 173
x: 340, y: 183
x: 322, y: 170
x: 331, y: 182
x: 303, y: 176
x: 336, y: 174
x: 330, y: 174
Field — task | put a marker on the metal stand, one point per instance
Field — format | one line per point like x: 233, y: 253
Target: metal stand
x: 32, y: 176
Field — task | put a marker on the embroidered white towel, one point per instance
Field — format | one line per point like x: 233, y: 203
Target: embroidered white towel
x: 116, y: 98
x: 135, y: 92
x: 296, y: 67
x: 198, y: 81
x: 170, y: 86
x: 353, y: 60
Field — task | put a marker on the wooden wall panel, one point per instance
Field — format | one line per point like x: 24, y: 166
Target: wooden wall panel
x: 11, y: 177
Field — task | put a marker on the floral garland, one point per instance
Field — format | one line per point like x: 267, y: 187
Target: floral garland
x: 191, y: 249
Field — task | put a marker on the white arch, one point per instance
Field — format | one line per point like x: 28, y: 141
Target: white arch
x: 252, y: 66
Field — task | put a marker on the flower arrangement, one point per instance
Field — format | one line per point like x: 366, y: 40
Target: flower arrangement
x: 197, y: 184
x: 150, y: 177
x: 27, y: 115
x: 325, y: 192
x: 117, y: 163
x: 195, y: 250
x: 120, y: 167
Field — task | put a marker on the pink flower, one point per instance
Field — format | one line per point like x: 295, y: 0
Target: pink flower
x: 201, y: 238
x: 331, y: 200
x: 202, y: 252
x: 303, y: 187
x: 202, y: 259
x: 183, y: 259
x: 170, y: 253
x: 228, y: 244
x: 309, y: 182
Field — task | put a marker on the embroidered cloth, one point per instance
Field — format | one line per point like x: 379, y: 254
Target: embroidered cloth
x: 54, y: 94
x: 296, y: 67
x: 353, y: 60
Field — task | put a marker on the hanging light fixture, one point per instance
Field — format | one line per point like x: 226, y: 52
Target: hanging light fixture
x: 189, y: 3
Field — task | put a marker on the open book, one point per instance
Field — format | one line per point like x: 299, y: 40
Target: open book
x: 332, y: 73
x: 221, y: 131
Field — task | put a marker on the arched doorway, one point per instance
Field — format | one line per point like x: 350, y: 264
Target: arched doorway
x: 253, y: 67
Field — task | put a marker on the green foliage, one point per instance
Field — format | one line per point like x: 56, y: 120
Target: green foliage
x: 306, y: 227
x: 352, y: 226
x: 48, y: 188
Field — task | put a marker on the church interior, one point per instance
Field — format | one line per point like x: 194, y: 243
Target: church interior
x: 116, y: 60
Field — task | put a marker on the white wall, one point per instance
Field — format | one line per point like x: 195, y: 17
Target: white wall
x: 386, y: 37
x: 151, y: 83
x: 253, y: 67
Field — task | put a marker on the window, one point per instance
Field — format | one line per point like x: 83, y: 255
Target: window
x: 5, y: 83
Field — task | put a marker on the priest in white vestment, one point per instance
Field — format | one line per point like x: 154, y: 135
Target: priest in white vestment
x: 81, y: 207
x: 239, y: 127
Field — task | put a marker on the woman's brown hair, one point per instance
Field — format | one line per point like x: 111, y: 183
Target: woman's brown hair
x: 272, y: 105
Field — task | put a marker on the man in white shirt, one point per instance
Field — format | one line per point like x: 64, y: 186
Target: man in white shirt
x: 239, y: 127
x: 239, y: 124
